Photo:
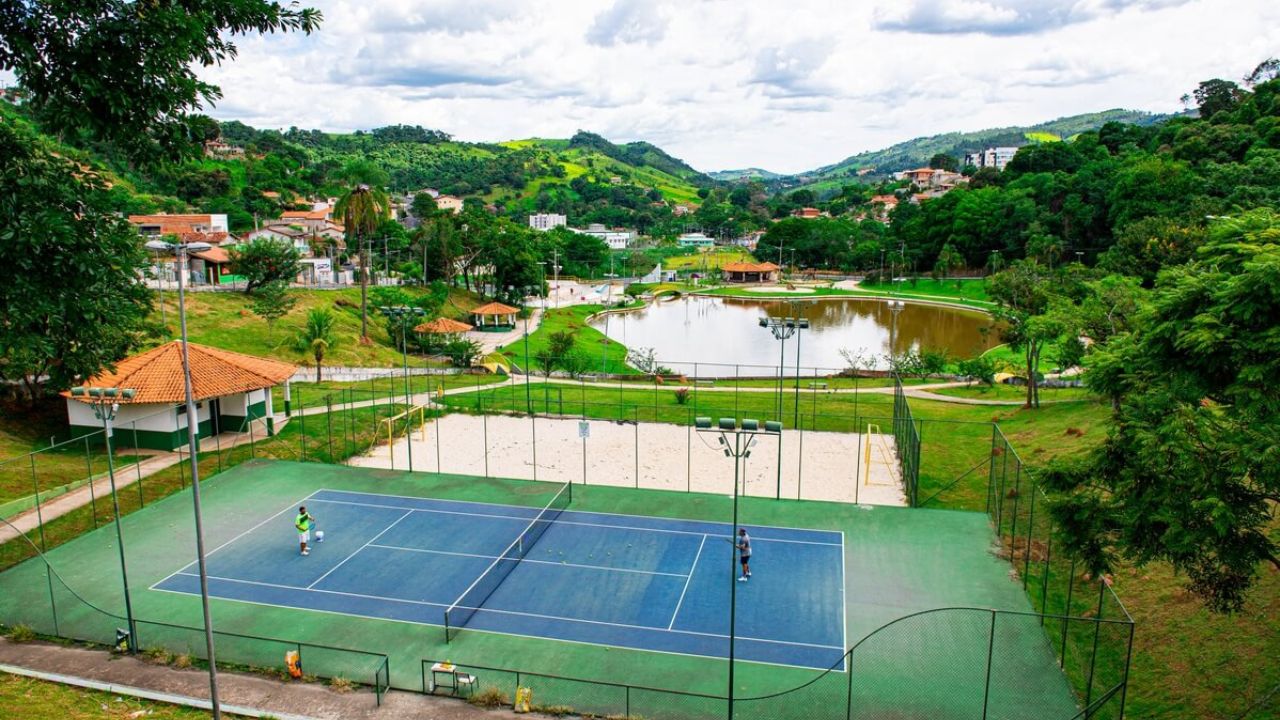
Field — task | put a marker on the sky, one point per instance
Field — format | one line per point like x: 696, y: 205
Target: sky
x: 785, y: 86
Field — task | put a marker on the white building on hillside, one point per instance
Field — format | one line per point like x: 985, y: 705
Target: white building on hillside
x: 617, y: 239
x: 546, y: 221
x: 996, y: 157
x: 695, y: 240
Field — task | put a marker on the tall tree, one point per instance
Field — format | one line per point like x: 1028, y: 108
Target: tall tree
x: 1022, y: 294
x: 263, y: 261
x: 362, y: 209
x: 123, y: 71
x: 1190, y: 470
x: 72, y: 303
x: 273, y: 302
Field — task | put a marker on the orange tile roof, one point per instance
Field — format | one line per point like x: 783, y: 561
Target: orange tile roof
x: 156, y: 375
x: 443, y: 326
x: 214, y: 255
x: 750, y: 267
x: 173, y: 224
x: 305, y: 214
x: 495, y: 308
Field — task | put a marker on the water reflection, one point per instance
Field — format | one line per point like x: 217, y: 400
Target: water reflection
x: 726, y: 330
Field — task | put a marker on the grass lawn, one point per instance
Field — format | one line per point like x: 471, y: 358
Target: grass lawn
x: 226, y: 320
x: 740, y: 292
x: 713, y: 259
x: 382, y: 386
x: 973, y: 290
x: 606, y: 355
x: 1001, y: 391
x: 40, y: 700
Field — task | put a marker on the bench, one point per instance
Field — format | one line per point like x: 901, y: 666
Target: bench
x: 705, y: 383
x: 817, y: 386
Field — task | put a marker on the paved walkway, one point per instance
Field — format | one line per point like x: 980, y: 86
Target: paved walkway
x: 29, y: 521
x: 241, y: 694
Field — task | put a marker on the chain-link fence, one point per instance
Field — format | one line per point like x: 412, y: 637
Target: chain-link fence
x: 1087, y: 628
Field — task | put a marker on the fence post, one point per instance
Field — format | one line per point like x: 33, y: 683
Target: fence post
x: 88, y: 464
x: 991, y: 646
x: 328, y: 417
x: 484, y: 421
x: 1093, y: 655
x: 635, y: 410
x: 1066, y: 611
x: 991, y: 472
x: 35, y: 484
x: 627, y: 701
x: 1031, y: 531
x: 137, y: 464
x: 302, y: 427
x: 1044, y: 581
x: 848, y: 702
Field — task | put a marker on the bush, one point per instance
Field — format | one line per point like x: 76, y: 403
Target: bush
x: 341, y: 685
x: 682, y: 396
x: 21, y: 633
x: 490, y: 697
x: 158, y: 656
x: 462, y: 352
x: 979, y: 369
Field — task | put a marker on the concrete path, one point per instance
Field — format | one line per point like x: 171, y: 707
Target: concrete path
x: 241, y: 694
x: 29, y: 522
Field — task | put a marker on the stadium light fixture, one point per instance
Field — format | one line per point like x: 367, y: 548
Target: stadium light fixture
x: 105, y: 404
x: 404, y: 315
x: 739, y: 451
x: 181, y: 251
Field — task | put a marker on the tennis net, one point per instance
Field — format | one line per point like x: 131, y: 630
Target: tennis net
x: 473, y: 598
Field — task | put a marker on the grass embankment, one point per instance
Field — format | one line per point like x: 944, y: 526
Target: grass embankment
x: 39, y: 700
x: 1002, y: 391
x: 606, y: 355
x: 226, y: 320
x: 325, y: 437
x: 973, y: 289
x: 710, y: 260
x: 907, y: 293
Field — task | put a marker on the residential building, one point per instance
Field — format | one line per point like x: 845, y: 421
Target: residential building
x: 749, y: 241
x: 450, y: 203
x: 996, y: 157
x: 316, y: 218
x: 882, y: 205
x: 695, y: 240
x: 616, y: 239
x: 546, y: 221
x: 682, y: 209
x: 217, y: 148
x: 807, y: 213
x: 187, y: 228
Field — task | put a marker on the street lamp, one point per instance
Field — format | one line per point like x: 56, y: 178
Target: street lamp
x: 739, y: 451
x: 105, y: 403
x: 404, y: 316
x: 782, y: 329
x: 181, y: 251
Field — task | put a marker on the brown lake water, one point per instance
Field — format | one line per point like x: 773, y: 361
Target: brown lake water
x: 727, y: 330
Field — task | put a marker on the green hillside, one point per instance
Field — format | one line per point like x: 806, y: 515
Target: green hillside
x: 916, y: 152
x: 752, y: 173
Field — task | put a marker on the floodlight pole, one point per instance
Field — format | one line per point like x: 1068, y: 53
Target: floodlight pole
x: 193, y: 445
x: 895, y: 307
x: 783, y: 328
x: 748, y: 428
x: 402, y: 315
x: 105, y: 406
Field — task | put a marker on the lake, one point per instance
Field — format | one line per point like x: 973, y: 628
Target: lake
x: 727, y: 330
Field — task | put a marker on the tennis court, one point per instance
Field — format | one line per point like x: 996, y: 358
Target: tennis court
x: 637, y: 582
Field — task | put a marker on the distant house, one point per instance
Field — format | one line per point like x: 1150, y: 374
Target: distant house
x: 996, y: 157
x: 932, y: 179
x: 546, y: 221
x: 616, y: 239
x: 615, y: 180
x: 750, y: 272
x: 807, y: 213
x: 450, y: 203
x: 317, y: 218
x: 749, y: 241
x: 166, y: 224
x: 882, y: 205
x: 682, y: 209
x: 695, y: 240
x: 217, y: 148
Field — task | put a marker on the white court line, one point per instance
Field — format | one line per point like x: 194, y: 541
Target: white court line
x: 562, y: 521
x: 694, y: 567
x: 527, y: 560
x: 362, y: 547
x: 589, y: 512
x: 494, y: 632
x: 506, y: 612
x: 301, y: 502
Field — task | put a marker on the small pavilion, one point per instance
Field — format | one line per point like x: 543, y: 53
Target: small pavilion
x: 750, y: 272
x: 230, y: 390
x: 443, y: 326
x: 495, y: 316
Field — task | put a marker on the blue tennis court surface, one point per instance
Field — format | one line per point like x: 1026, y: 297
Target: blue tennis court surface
x: 618, y: 580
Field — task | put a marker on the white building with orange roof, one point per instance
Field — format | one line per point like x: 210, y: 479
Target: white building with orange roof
x: 231, y: 391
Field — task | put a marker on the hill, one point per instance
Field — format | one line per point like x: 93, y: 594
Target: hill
x: 918, y: 151
x: 745, y: 173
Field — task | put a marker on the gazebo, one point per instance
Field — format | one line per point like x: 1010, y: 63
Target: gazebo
x: 495, y: 316
x: 750, y: 272
x: 442, y: 327
x: 230, y: 390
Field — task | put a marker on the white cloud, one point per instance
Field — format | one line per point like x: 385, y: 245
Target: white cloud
x: 736, y: 83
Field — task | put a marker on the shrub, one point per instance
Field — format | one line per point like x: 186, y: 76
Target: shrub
x: 158, y: 655
x: 21, y: 633
x: 979, y: 369
x: 341, y: 685
x: 183, y: 660
x: 490, y: 697
x: 682, y: 396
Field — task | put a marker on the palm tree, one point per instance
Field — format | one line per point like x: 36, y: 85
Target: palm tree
x: 318, y: 336
x: 362, y: 209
